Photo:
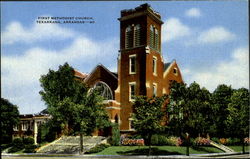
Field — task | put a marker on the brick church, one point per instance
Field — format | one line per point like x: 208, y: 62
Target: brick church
x: 141, y: 67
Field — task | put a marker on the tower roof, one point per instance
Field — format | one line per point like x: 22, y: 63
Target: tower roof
x: 144, y: 9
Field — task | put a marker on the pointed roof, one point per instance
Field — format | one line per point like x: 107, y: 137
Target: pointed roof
x: 80, y: 74
x: 170, y: 66
x: 100, y: 66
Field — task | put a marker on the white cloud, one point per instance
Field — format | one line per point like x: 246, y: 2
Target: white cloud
x: 16, y: 32
x: 215, y: 34
x: 193, y: 12
x: 174, y: 29
x: 234, y: 72
x: 20, y: 73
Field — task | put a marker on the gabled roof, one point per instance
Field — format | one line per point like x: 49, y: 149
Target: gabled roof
x: 80, y: 74
x: 169, y: 66
x: 166, y: 65
x: 95, y: 69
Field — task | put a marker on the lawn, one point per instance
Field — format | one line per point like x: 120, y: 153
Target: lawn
x: 239, y: 148
x: 156, y: 150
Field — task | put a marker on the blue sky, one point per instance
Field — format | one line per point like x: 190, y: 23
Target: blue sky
x: 209, y: 40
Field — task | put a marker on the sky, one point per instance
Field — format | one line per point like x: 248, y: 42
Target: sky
x: 208, y: 39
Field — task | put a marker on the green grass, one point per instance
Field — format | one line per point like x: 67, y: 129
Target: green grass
x: 239, y: 148
x: 156, y: 150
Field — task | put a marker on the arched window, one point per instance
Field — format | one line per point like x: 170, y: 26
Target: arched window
x: 156, y: 39
x: 116, y: 119
x: 137, y: 35
x: 129, y: 37
x: 151, y: 36
x: 103, y: 90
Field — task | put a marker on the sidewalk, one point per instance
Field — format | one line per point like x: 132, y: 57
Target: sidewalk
x: 68, y: 156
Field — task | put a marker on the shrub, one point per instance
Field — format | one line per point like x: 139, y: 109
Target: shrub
x: 132, y: 142
x: 115, y: 139
x: 174, y: 141
x: 97, y: 148
x: 162, y: 140
x: 154, y: 140
x: 28, y: 141
x: 223, y: 141
x: 215, y: 139
x: 17, y: 145
x: 30, y: 148
x: 159, y: 140
x: 201, y: 141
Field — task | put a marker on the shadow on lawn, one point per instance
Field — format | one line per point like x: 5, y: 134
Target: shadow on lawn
x: 144, y: 151
x: 205, y: 149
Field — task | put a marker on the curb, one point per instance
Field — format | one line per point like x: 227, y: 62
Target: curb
x: 121, y: 156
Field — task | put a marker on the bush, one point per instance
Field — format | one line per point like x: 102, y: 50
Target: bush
x: 17, y: 145
x: 154, y: 140
x: 115, y: 139
x: 159, y: 140
x: 174, y: 141
x: 28, y: 141
x: 201, y: 141
x: 30, y: 148
x: 132, y: 142
x: 215, y: 139
x: 97, y: 148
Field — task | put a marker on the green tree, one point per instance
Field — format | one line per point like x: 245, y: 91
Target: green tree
x: 9, y: 118
x: 189, y: 109
x: 221, y: 97
x: 148, y: 116
x: 238, y: 114
x: 72, y: 103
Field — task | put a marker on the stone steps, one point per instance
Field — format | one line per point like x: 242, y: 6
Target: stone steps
x: 70, y: 144
x: 222, y: 147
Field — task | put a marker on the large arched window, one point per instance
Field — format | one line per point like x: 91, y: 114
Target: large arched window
x: 154, y: 38
x: 129, y: 37
x: 137, y: 35
x: 103, y: 90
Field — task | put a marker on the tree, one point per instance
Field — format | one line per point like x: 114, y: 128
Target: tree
x: 220, y: 100
x: 148, y: 116
x: 9, y: 118
x: 238, y: 114
x: 189, y: 109
x: 72, y: 103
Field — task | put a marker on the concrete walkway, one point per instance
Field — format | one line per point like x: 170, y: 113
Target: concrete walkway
x: 70, y: 156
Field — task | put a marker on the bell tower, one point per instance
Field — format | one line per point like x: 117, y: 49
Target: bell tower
x: 140, y: 63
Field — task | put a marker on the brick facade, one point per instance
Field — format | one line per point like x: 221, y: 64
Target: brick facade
x: 140, y: 66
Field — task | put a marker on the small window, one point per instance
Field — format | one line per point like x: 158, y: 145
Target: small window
x: 15, y: 128
x: 131, y: 124
x: 154, y: 65
x: 132, y: 64
x: 154, y: 89
x: 25, y: 126
x: 175, y: 71
x: 132, y: 91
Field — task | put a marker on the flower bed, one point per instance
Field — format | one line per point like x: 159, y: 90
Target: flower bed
x: 202, y: 141
x: 132, y: 142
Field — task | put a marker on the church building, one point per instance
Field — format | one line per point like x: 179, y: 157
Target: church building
x: 141, y: 67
